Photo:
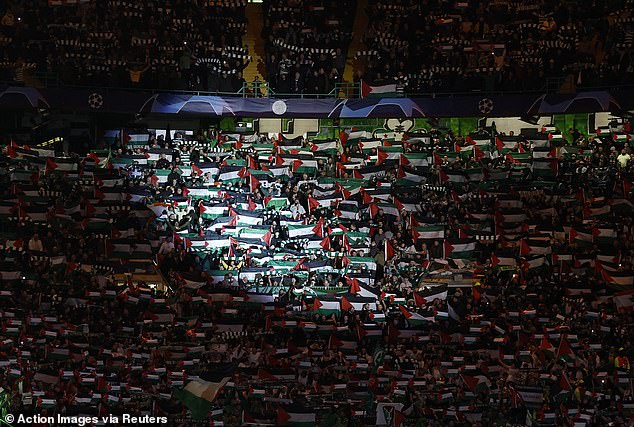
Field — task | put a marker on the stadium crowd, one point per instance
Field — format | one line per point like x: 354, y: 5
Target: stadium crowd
x: 307, y: 43
x: 424, y: 279
x: 511, y: 46
x: 423, y: 47
x: 151, y: 44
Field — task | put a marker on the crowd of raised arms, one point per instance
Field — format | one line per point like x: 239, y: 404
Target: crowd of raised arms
x: 429, y: 46
x: 360, y: 278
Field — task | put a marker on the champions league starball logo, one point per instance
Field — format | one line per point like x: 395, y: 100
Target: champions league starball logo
x: 485, y: 106
x: 95, y: 101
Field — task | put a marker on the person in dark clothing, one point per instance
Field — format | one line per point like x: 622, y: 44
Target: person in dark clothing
x: 297, y: 85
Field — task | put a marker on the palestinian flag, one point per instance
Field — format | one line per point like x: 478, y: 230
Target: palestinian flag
x: 200, y: 393
x: 564, y: 351
x: 427, y: 296
x: 502, y: 259
x: 386, y: 207
x: 478, y: 140
x: 324, y: 147
x: 263, y: 233
x: 546, y: 346
x: 532, y: 397
x: 408, y: 177
x: 621, y: 137
x: 532, y: 263
x: 353, y: 135
x: 429, y: 232
x: 388, y: 153
x: 589, y: 213
x: 624, y: 301
x: 327, y: 306
x: 475, y: 174
x: 580, y: 235
x: 555, y: 137
x: 24, y: 152
x: 300, y: 230
x: 347, y: 209
x: 506, y: 143
x: 299, y: 163
x: 370, y: 144
x: 476, y: 383
x: 447, y: 176
x: 459, y: 248
x: 534, y: 247
x: 213, y: 211
x: 414, y: 319
x: 136, y: 139
x: 296, y: 417
x: 275, y: 203
x: 368, y: 172
x: 539, y: 141
x: 377, y: 91
x: 544, y: 153
x: 231, y: 174
x: 618, y: 278
x: 546, y: 168
x: 414, y: 160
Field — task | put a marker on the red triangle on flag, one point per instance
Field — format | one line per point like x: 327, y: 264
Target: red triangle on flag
x: 325, y: 244
x: 564, y: 348
x: 318, y: 229
x: 345, y: 304
x: 355, y: 288
x: 419, y: 300
x: 367, y: 198
x: 267, y: 238
x: 448, y: 248
x: 545, y: 344
x: 296, y: 164
x: 343, y: 137
x: 265, y: 375
x: 405, y: 312
x: 312, y: 204
x: 478, y: 154
x: 50, y: 165
x: 381, y: 156
x: 494, y: 260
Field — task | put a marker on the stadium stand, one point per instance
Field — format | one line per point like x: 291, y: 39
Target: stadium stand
x: 307, y: 43
x: 418, y: 279
x: 138, y: 44
x: 172, y: 257
x: 464, y: 46
x: 418, y: 47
